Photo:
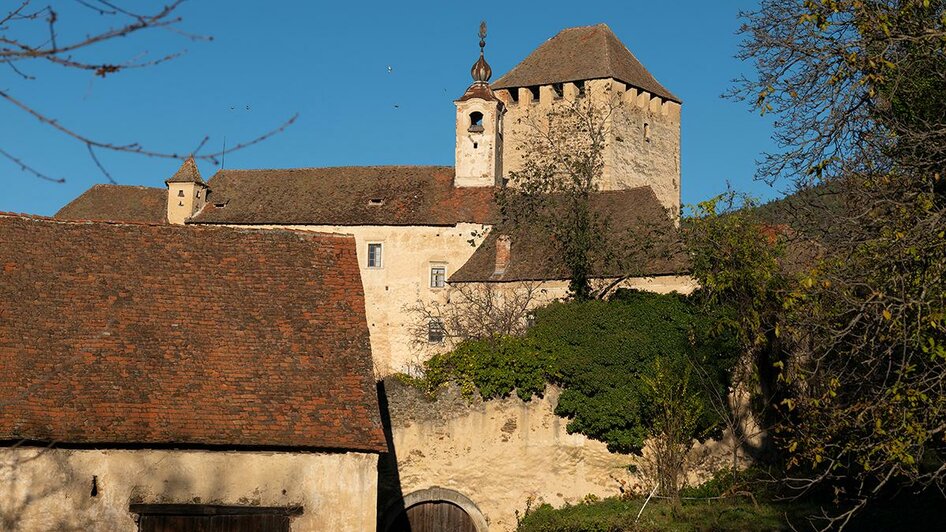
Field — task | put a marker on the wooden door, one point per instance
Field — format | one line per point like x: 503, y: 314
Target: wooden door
x: 434, y: 516
x: 214, y: 523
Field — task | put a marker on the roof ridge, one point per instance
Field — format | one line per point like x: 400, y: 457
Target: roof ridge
x: 119, y: 185
x: 334, y: 167
x: 203, y: 227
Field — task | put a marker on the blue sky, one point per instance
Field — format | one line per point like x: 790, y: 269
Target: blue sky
x: 329, y: 62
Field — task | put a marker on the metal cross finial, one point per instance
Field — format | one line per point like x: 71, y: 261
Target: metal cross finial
x: 482, y: 35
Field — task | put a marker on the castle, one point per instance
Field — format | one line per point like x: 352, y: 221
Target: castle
x: 414, y: 225
x: 208, y: 354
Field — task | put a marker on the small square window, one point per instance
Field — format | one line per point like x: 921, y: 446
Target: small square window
x: 438, y: 276
x: 530, y: 320
x: 435, y: 332
x: 374, y: 255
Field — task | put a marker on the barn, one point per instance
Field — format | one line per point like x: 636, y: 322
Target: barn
x: 157, y: 377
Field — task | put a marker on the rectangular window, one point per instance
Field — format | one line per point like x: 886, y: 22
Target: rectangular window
x: 438, y: 276
x: 435, y: 332
x: 374, y: 255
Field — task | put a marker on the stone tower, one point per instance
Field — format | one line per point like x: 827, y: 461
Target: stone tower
x: 187, y: 192
x: 479, y: 154
x: 643, y: 132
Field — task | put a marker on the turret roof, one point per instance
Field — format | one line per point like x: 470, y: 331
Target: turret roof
x: 187, y: 173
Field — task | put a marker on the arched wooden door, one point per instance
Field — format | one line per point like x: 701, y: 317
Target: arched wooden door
x: 433, y: 516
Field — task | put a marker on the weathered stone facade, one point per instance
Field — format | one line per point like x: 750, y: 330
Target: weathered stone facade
x: 505, y: 455
x: 643, y: 133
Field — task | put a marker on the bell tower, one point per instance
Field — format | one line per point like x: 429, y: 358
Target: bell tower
x: 479, y: 161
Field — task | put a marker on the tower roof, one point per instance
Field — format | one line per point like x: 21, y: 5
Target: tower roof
x: 187, y: 173
x: 481, y: 72
x: 583, y: 53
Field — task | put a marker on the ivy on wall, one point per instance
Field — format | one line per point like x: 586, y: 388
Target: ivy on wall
x: 601, y: 354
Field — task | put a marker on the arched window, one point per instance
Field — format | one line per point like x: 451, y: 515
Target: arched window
x: 476, y: 121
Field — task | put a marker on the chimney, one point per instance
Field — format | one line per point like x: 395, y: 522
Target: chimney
x: 503, y: 251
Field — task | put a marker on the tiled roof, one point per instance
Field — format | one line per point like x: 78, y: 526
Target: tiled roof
x: 187, y: 173
x: 141, y: 334
x: 574, y: 54
x: 366, y: 195
x: 639, y: 233
x: 118, y: 203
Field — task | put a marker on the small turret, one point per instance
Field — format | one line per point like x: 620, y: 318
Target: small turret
x: 479, y: 132
x: 187, y: 192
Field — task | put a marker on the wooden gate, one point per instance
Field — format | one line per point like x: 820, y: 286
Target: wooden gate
x: 209, y: 518
x: 215, y: 523
x: 433, y: 516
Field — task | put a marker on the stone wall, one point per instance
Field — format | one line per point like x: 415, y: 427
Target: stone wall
x: 643, y: 133
x: 501, y: 453
x: 505, y: 455
x: 51, y: 489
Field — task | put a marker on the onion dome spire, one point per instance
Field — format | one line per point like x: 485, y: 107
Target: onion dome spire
x: 481, y: 71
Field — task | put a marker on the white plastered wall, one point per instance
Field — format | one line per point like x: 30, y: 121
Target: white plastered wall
x: 50, y: 489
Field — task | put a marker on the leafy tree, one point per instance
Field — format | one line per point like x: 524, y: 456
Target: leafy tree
x: 551, y: 194
x: 739, y: 261
x: 859, y: 88
x: 676, y: 408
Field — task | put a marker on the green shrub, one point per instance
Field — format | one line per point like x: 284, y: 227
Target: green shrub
x: 598, y: 352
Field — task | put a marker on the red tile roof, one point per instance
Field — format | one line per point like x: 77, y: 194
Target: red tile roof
x: 141, y: 334
x: 583, y: 53
x: 408, y: 195
x: 640, y: 235
x: 118, y: 203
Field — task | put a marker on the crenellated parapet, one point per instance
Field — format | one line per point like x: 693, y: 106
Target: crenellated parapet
x: 605, y: 91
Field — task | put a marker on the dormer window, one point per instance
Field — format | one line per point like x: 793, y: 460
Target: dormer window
x: 476, y: 122
x: 375, y: 202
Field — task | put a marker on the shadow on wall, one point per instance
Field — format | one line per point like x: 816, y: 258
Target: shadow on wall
x: 25, y: 486
x: 390, y: 496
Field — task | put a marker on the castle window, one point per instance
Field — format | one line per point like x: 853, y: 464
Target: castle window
x: 581, y: 88
x: 476, y: 122
x: 646, y: 132
x: 435, y: 331
x: 180, y: 193
x: 559, y: 89
x: 535, y: 94
x: 530, y: 320
x: 514, y: 94
x: 374, y: 255
x: 438, y: 276
x: 476, y: 145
